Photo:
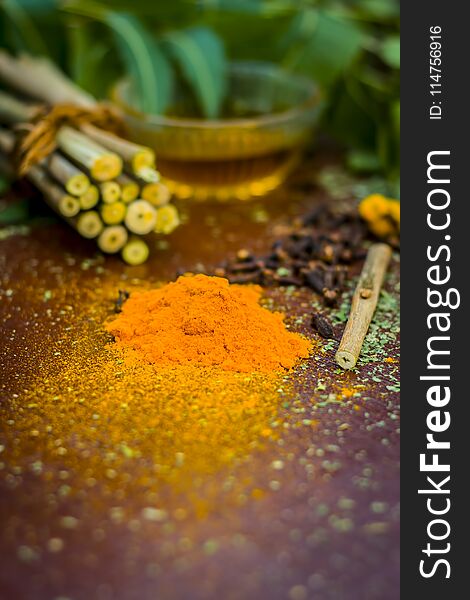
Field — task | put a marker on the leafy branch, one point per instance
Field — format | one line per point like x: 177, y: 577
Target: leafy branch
x: 351, y: 47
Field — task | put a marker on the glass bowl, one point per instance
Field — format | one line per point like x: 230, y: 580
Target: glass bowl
x: 267, y: 119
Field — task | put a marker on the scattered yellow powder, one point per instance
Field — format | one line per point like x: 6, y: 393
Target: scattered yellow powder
x: 103, y: 421
x: 347, y: 392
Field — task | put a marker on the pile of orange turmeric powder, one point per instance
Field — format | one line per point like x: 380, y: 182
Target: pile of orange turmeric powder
x: 205, y: 321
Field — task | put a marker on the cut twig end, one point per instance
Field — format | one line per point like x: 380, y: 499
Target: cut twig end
x: 346, y: 359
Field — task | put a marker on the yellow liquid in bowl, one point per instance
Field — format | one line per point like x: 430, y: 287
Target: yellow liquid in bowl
x: 229, y: 179
x: 232, y: 158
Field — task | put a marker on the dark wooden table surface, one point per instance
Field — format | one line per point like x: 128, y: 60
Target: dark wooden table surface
x: 329, y: 527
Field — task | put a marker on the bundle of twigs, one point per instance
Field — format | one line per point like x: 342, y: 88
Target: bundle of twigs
x: 103, y: 185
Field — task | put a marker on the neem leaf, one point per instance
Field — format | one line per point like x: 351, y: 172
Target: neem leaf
x: 390, y: 51
x: 92, y: 61
x: 395, y: 112
x: 15, y: 212
x: 256, y: 7
x: 332, y: 43
x: 363, y: 161
x: 146, y: 63
x: 200, y: 56
x: 382, y: 9
x: 349, y: 121
x: 4, y: 184
x: 19, y: 15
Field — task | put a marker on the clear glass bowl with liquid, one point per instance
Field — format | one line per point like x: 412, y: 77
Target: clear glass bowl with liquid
x: 267, y: 119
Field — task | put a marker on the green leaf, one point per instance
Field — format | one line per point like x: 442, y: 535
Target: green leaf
x: 177, y: 13
x: 390, y: 51
x: 260, y: 8
x: 145, y: 62
x: 19, y: 16
x: 378, y: 82
x: 4, y: 184
x: 362, y: 161
x: 92, y: 64
x: 380, y: 9
x: 349, y: 121
x: 395, y: 114
x: 328, y: 45
x: 303, y: 26
x: 200, y: 56
x: 14, y: 213
x: 241, y: 34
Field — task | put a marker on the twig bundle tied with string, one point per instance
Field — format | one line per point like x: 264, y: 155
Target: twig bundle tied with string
x: 71, y: 148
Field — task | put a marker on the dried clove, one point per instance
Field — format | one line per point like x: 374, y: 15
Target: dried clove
x: 314, y: 217
x: 122, y: 297
x: 315, y: 280
x: 253, y: 277
x: 322, y: 326
x: 329, y: 279
x: 247, y: 266
x: 314, y: 251
x: 287, y: 281
x: 244, y: 255
x: 330, y: 297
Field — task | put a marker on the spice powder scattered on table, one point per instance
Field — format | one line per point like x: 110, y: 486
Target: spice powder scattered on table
x: 109, y: 485
x: 194, y: 382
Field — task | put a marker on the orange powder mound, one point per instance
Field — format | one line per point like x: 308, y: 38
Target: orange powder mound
x: 205, y: 321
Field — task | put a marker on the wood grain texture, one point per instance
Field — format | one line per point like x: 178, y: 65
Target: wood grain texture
x: 363, y: 305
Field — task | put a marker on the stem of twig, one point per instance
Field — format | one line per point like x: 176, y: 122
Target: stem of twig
x: 14, y: 111
x: 40, y: 79
x: 135, y: 252
x: 363, y: 305
x: 110, y: 191
x: 102, y: 164
x: 70, y: 176
x: 136, y: 156
x: 140, y: 217
x: 112, y: 239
